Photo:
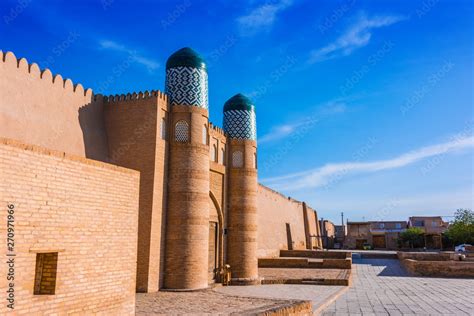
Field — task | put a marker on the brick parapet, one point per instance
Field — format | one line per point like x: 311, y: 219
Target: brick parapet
x: 10, y: 61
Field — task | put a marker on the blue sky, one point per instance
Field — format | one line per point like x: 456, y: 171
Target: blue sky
x: 364, y: 107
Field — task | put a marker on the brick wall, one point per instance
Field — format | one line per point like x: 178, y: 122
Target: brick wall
x: 84, y: 210
x: 274, y: 212
x: 314, y: 228
x: 447, y: 269
x: 133, y: 125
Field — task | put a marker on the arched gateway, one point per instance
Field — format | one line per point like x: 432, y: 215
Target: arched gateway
x: 216, y: 244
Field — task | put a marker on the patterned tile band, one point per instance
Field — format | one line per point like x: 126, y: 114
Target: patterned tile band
x: 240, y: 124
x: 187, y: 86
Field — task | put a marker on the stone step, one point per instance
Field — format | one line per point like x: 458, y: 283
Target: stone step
x: 316, y: 254
x: 291, y: 262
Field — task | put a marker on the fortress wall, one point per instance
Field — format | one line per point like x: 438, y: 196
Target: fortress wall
x: 39, y: 108
x: 84, y: 210
x: 135, y: 139
x: 314, y: 228
x: 274, y: 212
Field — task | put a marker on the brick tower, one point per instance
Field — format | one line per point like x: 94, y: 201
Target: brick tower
x: 241, y: 129
x: 186, y: 248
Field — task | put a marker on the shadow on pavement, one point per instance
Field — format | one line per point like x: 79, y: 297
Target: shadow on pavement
x: 391, y: 267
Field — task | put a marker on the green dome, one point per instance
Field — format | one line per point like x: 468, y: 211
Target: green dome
x: 239, y: 102
x: 185, y: 57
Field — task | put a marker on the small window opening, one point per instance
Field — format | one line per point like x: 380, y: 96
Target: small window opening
x: 182, y: 132
x: 45, y: 273
x: 237, y: 159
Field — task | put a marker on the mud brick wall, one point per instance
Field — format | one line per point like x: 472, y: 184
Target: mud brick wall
x: 275, y: 211
x: 83, y: 210
x: 137, y: 130
x: 448, y: 269
x: 37, y: 107
x: 424, y: 256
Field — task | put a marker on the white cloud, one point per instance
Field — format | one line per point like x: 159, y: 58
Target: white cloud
x: 262, y: 17
x: 285, y: 130
x: 357, y: 36
x: 322, y: 176
x: 147, y: 62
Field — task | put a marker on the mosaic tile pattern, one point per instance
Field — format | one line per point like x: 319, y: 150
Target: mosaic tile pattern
x: 187, y: 86
x: 240, y: 124
x: 237, y: 159
x: 181, y: 133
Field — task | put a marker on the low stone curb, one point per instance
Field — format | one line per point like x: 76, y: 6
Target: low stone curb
x: 322, y: 307
x: 292, y: 307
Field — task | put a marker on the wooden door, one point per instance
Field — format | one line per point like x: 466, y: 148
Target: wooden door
x: 212, y: 251
x: 379, y: 241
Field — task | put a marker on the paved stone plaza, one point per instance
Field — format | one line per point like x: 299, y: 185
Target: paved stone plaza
x: 317, y: 294
x: 382, y: 287
x: 379, y: 287
x: 206, y: 302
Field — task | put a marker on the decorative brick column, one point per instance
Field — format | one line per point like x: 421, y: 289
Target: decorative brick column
x: 240, y: 126
x: 187, y: 229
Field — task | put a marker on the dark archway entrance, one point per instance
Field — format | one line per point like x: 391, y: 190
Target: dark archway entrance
x: 215, y: 239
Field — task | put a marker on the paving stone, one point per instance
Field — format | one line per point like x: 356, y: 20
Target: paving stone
x: 208, y: 302
x: 389, y: 290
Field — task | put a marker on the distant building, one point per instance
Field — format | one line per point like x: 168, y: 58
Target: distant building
x: 378, y: 234
x: 385, y: 234
x: 358, y: 233
x: 432, y: 226
x: 340, y: 236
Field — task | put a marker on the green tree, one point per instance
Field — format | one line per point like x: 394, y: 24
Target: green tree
x: 461, y: 230
x: 413, y: 236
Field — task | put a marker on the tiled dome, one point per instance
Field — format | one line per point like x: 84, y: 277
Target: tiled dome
x: 186, y: 79
x: 239, y: 102
x: 239, y: 118
x: 185, y: 57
